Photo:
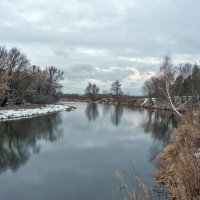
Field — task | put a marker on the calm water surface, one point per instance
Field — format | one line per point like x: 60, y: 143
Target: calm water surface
x: 74, y: 155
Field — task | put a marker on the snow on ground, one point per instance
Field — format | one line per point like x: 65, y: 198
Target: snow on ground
x: 197, y: 153
x: 26, y: 113
x: 147, y: 100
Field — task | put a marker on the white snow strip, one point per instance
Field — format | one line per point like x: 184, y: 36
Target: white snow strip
x: 26, y: 113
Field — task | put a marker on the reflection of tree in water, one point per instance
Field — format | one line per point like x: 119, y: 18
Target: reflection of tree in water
x: 92, y: 111
x: 116, y: 112
x: 19, y: 138
x: 116, y: 115
x: 160, y: 124
x: 106, y: 108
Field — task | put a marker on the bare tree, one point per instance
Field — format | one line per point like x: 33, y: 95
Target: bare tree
x: 3, y: 58
x: 20, y: 81
x: 92, y: 90
x: 53, y: 76
x: 13, y: 64
x: 148, y: 89
x: 165, y: 84
x: 167, y: 77
x: 116, y: 91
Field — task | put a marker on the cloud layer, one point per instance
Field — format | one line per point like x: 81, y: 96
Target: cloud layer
x: 100, y: 40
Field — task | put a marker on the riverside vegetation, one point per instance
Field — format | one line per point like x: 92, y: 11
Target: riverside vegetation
x: 22, y: 82
x: 183, y: 88
x: 178, y: 167
x: 175, y: 87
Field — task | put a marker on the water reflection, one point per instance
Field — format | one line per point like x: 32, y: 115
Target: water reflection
x: 18, y: 139
x: 160, y: 124
x: 116, y: 114
x: 106, y: 108
x: 82, y: 163
x: 92, y: 111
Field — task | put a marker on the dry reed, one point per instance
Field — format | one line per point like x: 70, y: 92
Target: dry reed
x: 179, y: 166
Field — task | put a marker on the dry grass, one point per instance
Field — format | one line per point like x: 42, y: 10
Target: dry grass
x: 179, y: 166
x: 140, y: 192
x: 3, y: 87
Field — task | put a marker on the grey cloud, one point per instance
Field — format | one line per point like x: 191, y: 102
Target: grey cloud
x: 85, y: 37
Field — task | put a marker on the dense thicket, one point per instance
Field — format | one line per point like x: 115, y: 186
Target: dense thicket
x: 20, y: 81
x: 182, y: 80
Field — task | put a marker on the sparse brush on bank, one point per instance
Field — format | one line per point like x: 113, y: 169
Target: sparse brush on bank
x: 179, y: 166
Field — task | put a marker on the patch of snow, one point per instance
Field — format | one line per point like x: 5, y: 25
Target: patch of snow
x: 145, y: 101
x: 197, y: 153
x: 153, y: 100
x: 26, y: 113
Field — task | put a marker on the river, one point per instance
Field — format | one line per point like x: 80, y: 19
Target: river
x: 74, y: 155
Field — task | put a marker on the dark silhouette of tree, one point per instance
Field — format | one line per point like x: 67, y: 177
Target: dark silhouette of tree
x: 19, y: 81
x: 171, y: 81
x: 116, y: 91
x: 149, y: 90
x: 92, y: 91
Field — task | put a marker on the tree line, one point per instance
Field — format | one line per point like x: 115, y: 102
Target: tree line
x: 181, y: 80
x: 92, y: 91
x: 20, y: 81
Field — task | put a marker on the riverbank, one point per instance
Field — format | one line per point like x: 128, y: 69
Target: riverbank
x: 141, y: 102
x: 31, y: 110
x: 179, y: 165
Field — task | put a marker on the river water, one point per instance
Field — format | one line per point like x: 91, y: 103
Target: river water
x: 74, y: 155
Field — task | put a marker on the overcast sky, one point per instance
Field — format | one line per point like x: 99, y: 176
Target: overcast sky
x: 102, y: 40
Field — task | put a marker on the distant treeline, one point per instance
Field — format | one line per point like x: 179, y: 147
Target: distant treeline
x: 22, y: 82
x: 181, y: 80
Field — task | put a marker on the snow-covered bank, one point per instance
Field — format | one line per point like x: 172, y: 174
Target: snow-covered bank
x: 26, y: 113
x: 181, y: 104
